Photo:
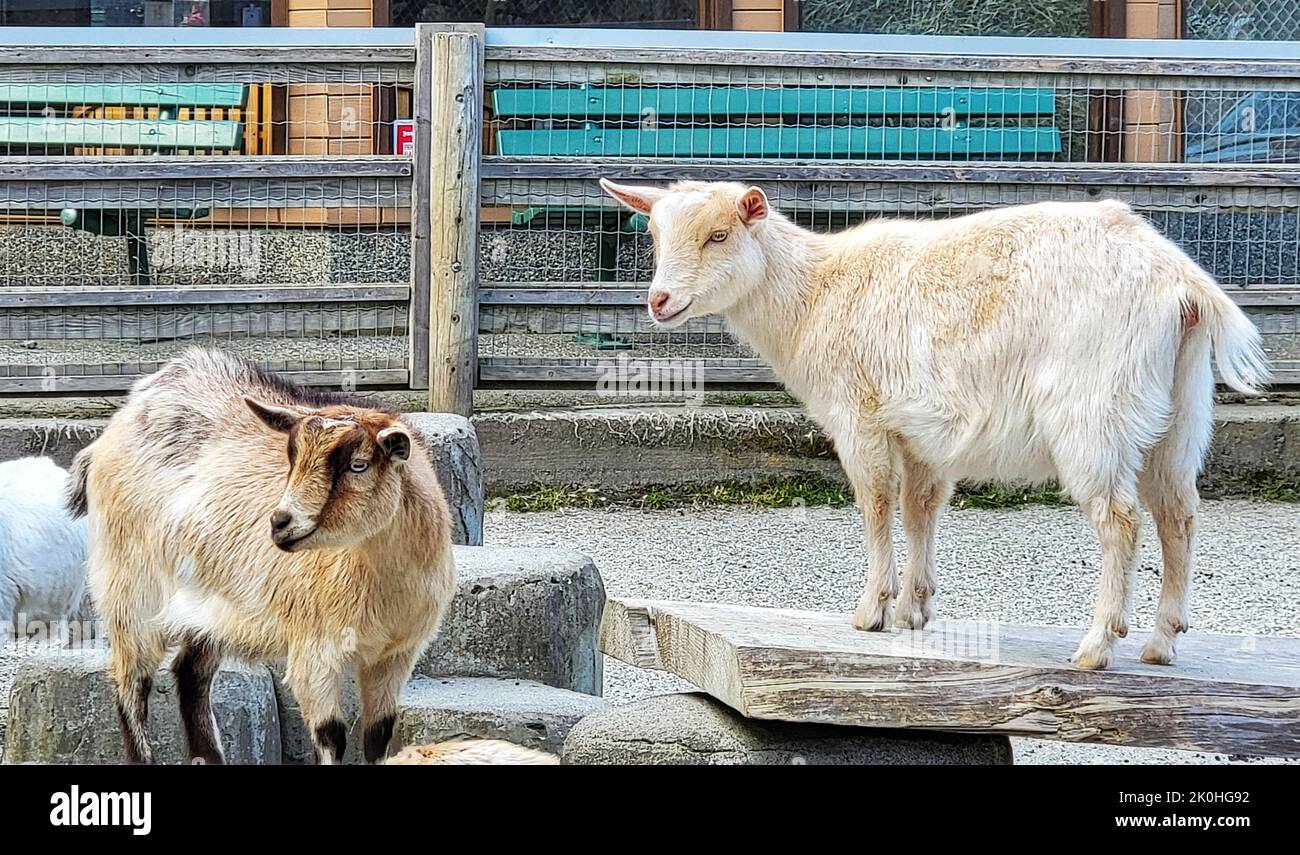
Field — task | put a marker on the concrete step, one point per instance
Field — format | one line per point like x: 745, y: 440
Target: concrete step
x: 622, y: 450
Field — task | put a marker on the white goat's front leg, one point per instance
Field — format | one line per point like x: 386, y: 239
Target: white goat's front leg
x: 924, y: 498
x: 1116, y: 518
x: 870, y: 466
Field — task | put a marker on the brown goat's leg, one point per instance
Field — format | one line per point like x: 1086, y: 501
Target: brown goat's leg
x: 924, y: 498
x: 380, y: 683
x: 195, y: 666
x: 131, y: 668
x: 314, y: 674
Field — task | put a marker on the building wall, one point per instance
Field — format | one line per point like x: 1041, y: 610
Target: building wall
x: 1153, y: 119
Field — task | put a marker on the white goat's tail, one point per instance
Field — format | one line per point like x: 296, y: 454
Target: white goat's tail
x: 1238, y: 351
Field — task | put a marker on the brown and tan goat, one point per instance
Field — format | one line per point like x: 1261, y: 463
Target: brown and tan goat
x: 200, y: 540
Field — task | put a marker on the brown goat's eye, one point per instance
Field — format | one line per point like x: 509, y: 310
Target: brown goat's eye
x: 359, y: 466
x: 718, y: 236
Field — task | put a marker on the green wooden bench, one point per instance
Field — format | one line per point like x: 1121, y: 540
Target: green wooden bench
x: 41, y: 119
x: 791, y: 122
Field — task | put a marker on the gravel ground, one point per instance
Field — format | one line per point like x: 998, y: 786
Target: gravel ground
x: 1247, y: 581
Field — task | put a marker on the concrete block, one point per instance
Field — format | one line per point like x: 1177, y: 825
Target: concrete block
x: 453, y: 450
x: 528, y: 614
x: 62, y: 711
x: 434, y: 709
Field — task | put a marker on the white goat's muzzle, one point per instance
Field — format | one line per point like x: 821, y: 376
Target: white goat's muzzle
x: 666, y: 308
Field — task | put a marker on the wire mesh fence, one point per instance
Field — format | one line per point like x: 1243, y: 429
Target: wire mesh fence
x: 241, y: 198
x: 835, y: 143
x: 1254, y: 20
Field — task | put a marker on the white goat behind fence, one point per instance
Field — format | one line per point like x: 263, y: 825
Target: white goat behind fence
x: 1057, y: 340
x: 42, y: 548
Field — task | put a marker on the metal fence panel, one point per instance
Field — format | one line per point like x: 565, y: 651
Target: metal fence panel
x: 202, y: 191
x: 1205, y: 144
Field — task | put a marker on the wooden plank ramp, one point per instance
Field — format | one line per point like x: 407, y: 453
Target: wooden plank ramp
x: 1234, y: 695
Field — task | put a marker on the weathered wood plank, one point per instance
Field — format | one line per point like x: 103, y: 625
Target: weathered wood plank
x: 295, y: 68
x: 207, y: 167
x: 38, y: 383
x: 187, y: 322
x: 75, y: 296
x: 207, y: 192
x: 649, y: 169
x: 614, y: 320
x: 115, y: 55
x: 454, y: 130
x: 820, y: 197
x: 421, y: 209
x: 995, y: 72
x: 843, y: 59
x: 634, y: 294
x: 728, y: 372
x: 1227, y: 694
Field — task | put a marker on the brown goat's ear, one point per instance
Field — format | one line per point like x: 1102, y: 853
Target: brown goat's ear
x: 276, y: 418
x: 752, y: 205
x: 395, y: 442
x: 639, y: 199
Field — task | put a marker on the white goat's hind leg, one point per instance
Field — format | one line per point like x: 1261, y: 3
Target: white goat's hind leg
x: 875, y: 484
x: 924, y: 498
x: 1115, y: 517
x: 1174, y: 510
x: 1168, y: 488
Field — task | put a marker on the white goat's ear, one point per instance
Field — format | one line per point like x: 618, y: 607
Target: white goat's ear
x: 276, y: 418
x: 752, y: 205
x: 395, y: 442
x: 639, y: 199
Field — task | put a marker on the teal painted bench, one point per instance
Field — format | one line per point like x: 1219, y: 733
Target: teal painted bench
x: 37, y: 117
x: 793, y: 122
x: 41, y: 120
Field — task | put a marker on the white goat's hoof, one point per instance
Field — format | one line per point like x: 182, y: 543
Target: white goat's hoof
x: 912, y: 614
x: 1094, y: 651
x: 1159, y: 650
x: 872, y: 614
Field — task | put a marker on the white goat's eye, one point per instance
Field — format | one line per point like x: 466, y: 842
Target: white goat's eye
x: 359, y: 466
x: 718, y: 236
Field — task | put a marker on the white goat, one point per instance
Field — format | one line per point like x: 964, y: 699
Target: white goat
x: 42, y: 548
x: 234, y: 513
x: 1057, y: 340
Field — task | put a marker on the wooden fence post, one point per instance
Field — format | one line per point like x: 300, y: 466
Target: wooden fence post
x: 445, y: 213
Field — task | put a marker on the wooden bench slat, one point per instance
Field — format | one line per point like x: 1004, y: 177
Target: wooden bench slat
x: 1226, y: 694
x: 801, y: 142
x: 124, y: 133
x: 738, y: 101
x: 125, y: 94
